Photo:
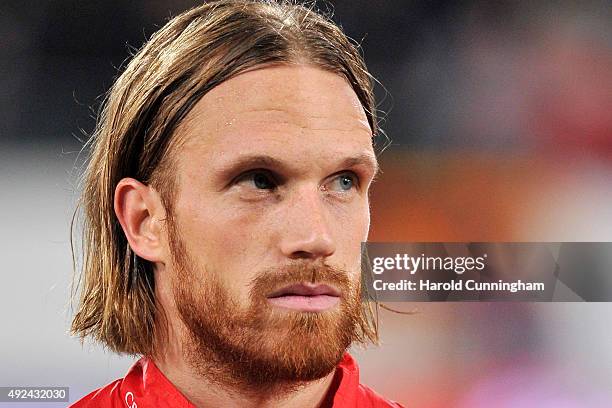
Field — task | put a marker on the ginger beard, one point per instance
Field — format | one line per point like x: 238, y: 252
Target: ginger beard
x: 262, y: 346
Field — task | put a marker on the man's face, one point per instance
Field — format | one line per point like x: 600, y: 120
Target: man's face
x: 265, y: 231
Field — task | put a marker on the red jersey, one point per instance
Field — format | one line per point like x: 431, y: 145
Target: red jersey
x: 144, y: 386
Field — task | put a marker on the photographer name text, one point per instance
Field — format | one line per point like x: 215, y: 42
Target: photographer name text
x: 458, y: 285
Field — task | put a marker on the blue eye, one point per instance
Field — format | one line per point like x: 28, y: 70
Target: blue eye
x: 344, y: 182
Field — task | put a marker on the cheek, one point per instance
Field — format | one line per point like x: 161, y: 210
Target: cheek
x: 351, y: 225
x: 355, y: 219
x: 222, y: 240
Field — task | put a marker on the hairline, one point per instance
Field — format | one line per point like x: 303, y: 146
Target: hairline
x: 165, y: 171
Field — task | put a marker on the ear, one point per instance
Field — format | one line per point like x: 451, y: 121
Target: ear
x: 140, y: 212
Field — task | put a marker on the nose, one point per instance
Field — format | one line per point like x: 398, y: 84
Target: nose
x: 307, y: 231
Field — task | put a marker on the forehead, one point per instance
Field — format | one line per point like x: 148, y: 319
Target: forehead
x: 283, y: 108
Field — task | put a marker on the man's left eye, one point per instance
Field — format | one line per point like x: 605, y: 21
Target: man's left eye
x: 344, y: 182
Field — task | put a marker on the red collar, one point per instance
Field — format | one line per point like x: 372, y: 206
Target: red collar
x: 146, y: 386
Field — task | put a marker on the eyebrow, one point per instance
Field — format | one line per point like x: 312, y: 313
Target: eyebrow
x: 249, y: 162
x: 363, y: 159
x: 265, y: 161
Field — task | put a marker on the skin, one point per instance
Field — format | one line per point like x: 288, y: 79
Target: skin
x: 274, y: 165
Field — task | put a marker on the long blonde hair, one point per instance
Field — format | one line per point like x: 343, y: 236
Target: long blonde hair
x: 190, y: 55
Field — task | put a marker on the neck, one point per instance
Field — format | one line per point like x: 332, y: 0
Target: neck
x: 204, y: 392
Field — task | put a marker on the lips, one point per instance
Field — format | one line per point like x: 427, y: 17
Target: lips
x: 305, y: 297
x: 306, y: 289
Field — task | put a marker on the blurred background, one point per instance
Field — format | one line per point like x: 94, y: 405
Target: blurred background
x: 500, y: 115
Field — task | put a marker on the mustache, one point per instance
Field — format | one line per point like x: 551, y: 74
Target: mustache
x: 273, y: 279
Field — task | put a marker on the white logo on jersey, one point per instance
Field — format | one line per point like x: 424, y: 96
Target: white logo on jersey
x: 130, y: 401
